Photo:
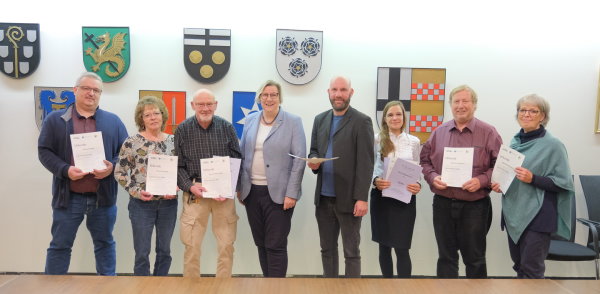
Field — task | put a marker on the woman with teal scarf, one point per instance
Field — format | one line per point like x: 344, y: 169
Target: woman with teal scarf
x: 537, y: 203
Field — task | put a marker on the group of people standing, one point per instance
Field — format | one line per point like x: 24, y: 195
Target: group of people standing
x: 269, y: 185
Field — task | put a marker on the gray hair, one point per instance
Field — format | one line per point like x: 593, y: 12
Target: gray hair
x: 90, y: 75
x: 539, y: 102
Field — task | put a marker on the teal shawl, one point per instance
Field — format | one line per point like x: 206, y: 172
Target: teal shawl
x: 545, y: 156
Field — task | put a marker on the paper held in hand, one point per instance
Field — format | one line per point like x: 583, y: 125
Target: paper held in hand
x: 504, y: 170
x: 457, y: 167
x: 219, y: 176
x: 313, y: 160
x: 402, y: 174
x: 161, y: 175
x: 88, y: 151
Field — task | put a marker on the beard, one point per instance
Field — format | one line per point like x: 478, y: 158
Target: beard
x: 339, y: 107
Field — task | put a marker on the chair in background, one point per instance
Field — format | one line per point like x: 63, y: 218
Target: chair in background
x: 568, y: 250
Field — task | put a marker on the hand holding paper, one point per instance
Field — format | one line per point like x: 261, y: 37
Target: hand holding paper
x: 313, y: 160
x: 88, y: 151
x: 161, y: 176
x: 457, y: 167
x: 219, y: 177
x: 506, y: 163
x: 402, y: 174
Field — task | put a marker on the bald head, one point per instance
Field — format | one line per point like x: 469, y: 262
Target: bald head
x: 341, y: 79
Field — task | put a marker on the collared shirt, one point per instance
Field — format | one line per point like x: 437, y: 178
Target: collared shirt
x: 406, y: 147
x: 82, y: 124
x: 485, y: 141
x: 193, y: 142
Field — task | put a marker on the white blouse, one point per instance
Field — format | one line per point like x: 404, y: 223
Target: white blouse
x: 406, y: 147
x: 258, y: 175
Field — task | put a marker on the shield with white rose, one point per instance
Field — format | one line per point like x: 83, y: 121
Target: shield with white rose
x: 298, y: 55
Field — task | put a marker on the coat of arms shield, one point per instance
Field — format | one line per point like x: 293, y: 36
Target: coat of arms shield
x: 48, y: 99
x: 19, y: 49
x: 298, y: 55
x: 422, y: 92
x: 175, y: 103
x: 106, y: 51
x: 207, y: 53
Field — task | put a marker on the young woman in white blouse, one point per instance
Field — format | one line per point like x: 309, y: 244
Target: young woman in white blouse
x: 393, y: 221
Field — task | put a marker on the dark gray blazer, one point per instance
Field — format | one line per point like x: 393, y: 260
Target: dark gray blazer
x: 353, y: 144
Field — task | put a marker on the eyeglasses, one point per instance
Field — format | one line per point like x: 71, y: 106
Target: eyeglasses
x: 267, y: 95
x: 152, y: 114
x: 96, y: 91
x: 202, y: 105
x: 530, y: 111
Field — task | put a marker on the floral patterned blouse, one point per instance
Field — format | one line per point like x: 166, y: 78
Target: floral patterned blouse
x: 130, y: 171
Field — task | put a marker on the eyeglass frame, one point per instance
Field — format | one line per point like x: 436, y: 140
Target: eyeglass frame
x: 95, y: 91
x: 267, y: 95
x: 532, y: 112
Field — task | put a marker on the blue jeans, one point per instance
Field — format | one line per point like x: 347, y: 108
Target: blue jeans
x: 100, y: 221
x: 144, y: 216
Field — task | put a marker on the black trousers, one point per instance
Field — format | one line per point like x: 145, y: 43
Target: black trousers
x: 529, y: 254
x: 270, y: 226
x: 461, y: 226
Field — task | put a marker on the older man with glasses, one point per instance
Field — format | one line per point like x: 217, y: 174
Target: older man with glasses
x: 75, y: 193
x: 205, y: 135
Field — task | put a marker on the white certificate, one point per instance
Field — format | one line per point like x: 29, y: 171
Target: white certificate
x: 313, y: 159
x: 161, y: 175
x: 88, y: 151
x: 235, y: 171
x: 216, y: 177
x: 457, y: 167
x: 504, y: 170
x: 235, y: 164
x: 402, y: 174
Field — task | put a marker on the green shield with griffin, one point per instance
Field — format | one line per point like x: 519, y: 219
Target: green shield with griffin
x: 106, y: 51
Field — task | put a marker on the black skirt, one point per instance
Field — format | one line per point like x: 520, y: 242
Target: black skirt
x: 392, y: 221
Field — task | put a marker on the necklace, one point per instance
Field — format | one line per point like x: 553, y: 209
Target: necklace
x: 262, y: 116
x: 152, y: 137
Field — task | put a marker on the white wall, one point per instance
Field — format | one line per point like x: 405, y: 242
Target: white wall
x: 503, y: 52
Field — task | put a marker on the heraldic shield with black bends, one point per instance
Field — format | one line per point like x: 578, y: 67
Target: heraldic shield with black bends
x: 421, y: 91
x: 48, y: 99
x: 106, y: 51
x: 207, y: 53
x: 19, y: 49
x: 298, y: 55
